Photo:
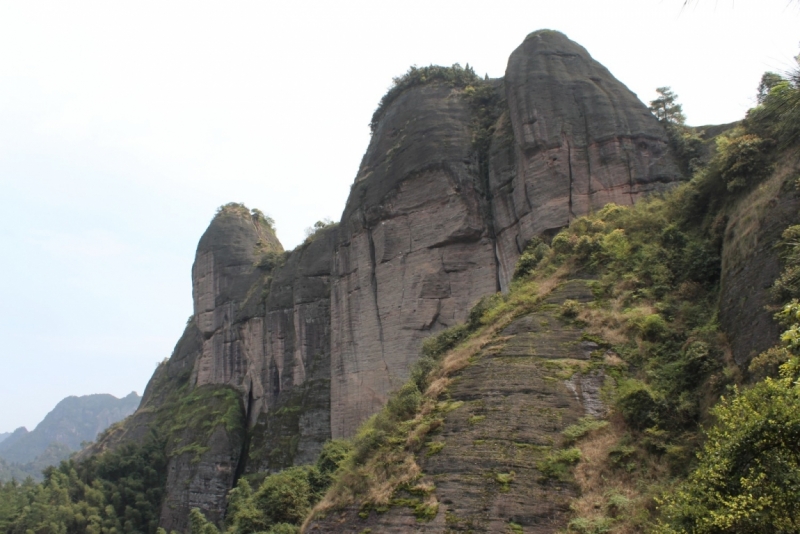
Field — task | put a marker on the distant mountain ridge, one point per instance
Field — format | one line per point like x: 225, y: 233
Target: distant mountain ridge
x: 73, y: 421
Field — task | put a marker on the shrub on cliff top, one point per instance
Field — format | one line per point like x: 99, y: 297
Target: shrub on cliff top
x: 455, y: 76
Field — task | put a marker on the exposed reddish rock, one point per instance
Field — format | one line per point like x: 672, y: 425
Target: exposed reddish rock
x: 434, y: 221
x: 414, y: 251
x: 581, y: 139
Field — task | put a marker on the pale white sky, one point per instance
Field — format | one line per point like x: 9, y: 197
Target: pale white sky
x: 123, y: 125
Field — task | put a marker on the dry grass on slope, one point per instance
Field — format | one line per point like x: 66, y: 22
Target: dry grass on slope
x: 386, y: 446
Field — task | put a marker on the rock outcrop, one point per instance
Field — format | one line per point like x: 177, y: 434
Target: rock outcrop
x: 511, y: 405
x: 414, y: 251
x: 580, y: 140
x: 312, y: 342
x: 290, y: 399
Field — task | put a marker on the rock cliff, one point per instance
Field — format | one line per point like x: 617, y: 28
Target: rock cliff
x: 414, y: 251
x: 751, y: 262
x: 581, y: 140
x: 295, y: 348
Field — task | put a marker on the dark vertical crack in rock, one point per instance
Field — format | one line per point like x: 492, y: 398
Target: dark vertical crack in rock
x: 569, y: 165
x: 373, y: 282
x: 241, y: 465
x: 589, y: 189
x: 630, y: 175
x: 483, y: 149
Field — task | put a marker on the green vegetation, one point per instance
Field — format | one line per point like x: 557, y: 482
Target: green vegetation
x: 586, y: 425
x: 557, y: 464
x: 778, y: 114
x: 311, y: 231
x: 505, y: 480
x: 281, y: 501
x: 116, y: 492
x: 748, y: 476
x: 73, y: 421
x: 655, y: 274
x: 656, y: 271
x: 121, y: 490
x: 666, y: 107
x: 239, y: 209
x: 686, y: 143
x: 455, y: 76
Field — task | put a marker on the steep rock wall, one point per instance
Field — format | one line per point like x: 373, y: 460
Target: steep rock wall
x: 581, y: 140
x: 253, y: 362
x: 224, y: 279
x: 413, y: 253
x: 511, y: 405
x: 313, y: 343
x: 293, y: 387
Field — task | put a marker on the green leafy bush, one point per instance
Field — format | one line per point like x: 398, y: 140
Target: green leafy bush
x: 558, y: 463
x: 638, y: 404
x: 118, y: 491
x: 748, y: 477
x: 742, y: 160
x: 570, y: 308
x: 583, y: 427
x: 533, y: 254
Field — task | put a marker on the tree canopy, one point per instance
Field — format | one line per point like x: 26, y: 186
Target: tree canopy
x: 666, y: 107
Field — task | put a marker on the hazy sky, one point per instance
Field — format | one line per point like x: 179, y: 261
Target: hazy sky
x: 124, y: 125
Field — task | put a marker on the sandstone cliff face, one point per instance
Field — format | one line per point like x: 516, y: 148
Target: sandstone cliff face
x: 425, y: 234
x: 253, y: 363
x: 581, y: 140
x: 314, y: 343
x: 224, y: 278
x: 293, y: 387
x: 414, y: 252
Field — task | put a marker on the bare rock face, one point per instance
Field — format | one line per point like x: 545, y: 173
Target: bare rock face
x: 292, y: 388
x: 751, y: 263
x: 223, y: 277
x: 414, y: 253
x: 247, y: 387
x: 581, y: 140
x: 426, y: 233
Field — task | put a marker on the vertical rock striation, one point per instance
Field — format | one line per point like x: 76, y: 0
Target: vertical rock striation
x: 292, y: 390
x: 414, y: 252
x: 581, y: 140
